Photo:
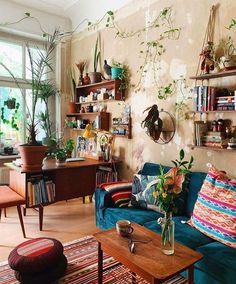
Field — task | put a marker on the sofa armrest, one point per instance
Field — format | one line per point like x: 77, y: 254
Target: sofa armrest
x: 103, y: 196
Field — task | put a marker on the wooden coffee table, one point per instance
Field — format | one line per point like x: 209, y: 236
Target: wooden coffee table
x: 148, y: 261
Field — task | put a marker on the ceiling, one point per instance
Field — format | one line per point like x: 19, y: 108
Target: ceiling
x: 58, y: 7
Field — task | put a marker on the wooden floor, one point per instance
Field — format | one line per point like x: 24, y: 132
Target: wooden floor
x: 65, y: 221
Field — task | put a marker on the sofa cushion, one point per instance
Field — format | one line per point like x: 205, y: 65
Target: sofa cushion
x: 140, y: 216
x: 219, y: 262
x: 120, y: 192
x: 214, y: 212
x: 184, y: 234
x: 142, y: 192
x: 196, y: 180
x: 151, y: 169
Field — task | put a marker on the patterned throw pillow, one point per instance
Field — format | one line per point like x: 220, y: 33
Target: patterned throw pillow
x: 214, y: 212
x: 142, y: 192
x: 120, y: 192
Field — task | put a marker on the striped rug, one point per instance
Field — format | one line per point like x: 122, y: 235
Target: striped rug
x: 82, y: 267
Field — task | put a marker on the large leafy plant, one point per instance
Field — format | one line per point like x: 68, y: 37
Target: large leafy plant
x: 41, y: 61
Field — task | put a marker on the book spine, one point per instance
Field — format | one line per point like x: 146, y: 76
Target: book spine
x: 212, y: 99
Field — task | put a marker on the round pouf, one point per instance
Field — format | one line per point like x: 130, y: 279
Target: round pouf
x: 38, y: 257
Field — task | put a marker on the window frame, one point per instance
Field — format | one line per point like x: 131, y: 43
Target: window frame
x: 8, y: 81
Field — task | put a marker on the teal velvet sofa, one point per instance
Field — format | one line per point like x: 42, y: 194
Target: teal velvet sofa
x: 219, y: 262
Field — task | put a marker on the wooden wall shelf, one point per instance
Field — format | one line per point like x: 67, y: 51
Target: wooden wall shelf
x: 210, y: 148
x: 84, y: 90
x: 214, y: 75
x: 103, y: 118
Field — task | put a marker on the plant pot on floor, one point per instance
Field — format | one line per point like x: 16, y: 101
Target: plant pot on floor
x: 32, y: 157
x: 95, y: 77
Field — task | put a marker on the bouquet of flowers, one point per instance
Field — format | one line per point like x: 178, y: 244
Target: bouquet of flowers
x: 169, y: 185
x: 167, y: 195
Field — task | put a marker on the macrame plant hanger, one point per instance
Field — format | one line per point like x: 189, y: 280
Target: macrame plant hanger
x: 206, y: 62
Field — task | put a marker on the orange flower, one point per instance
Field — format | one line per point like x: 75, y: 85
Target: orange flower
x: 173, y: 179
x: 155, y: 194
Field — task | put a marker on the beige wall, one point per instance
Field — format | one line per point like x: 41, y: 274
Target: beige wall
x: 181, y: 58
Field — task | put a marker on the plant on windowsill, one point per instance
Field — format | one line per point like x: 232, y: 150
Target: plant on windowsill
x: 33, y: 152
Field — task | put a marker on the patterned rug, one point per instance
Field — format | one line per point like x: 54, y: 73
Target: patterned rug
x: 82, y: 267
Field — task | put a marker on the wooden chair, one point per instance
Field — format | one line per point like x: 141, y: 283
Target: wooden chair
x: 9, y: 198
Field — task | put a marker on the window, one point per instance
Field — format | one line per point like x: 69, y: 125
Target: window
x: 12, y: 121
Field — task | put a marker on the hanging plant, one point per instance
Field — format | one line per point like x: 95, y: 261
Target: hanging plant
x: 150, y: 51
x: 9, y: 115
x: 152, y: 122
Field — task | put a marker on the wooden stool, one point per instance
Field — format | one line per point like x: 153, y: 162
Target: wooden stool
x: 9, y: 198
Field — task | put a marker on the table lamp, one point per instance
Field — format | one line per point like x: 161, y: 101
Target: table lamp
x: 88, y: 133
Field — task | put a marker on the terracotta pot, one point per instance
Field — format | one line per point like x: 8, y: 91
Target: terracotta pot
x: 32, y: 157
x: 60, y: 162
x: 72, y: 107
x: 95, y: 77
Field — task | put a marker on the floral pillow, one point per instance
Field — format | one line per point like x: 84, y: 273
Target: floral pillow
x: 143, y: 187
x: 146, y: 191
x: 214, y: 212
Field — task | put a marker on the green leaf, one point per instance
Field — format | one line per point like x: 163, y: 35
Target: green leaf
x: 27, y: 14
x: 89, y: 23
x: 110, y: 13
x: 181, y: 154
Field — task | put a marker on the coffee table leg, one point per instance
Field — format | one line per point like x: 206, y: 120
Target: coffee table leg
x: 100, y: 263
x: 190, y: 274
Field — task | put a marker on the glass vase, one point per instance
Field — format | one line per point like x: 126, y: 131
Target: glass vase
x: 167, y: 234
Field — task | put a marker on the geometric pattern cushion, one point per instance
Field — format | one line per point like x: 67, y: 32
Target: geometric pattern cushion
x: 120, y: 192
x: 46, y: 276
x: 214, y: 212
x: 35, y: 255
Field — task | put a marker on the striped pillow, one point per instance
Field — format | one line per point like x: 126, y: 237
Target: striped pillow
x: 120, y: 192
x: 214, y: 212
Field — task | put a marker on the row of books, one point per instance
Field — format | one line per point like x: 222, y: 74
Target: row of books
x: 204, y: 137
x: 105, y: 175
x: 40, y: 191
x: 208, y: 98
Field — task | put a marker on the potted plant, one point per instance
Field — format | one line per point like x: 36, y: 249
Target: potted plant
x: 47, y: 91
x: 95, y: 76
x: 69, y: 147
x: 32, y: 153
x: 81, y: 65
x: 60, y: 154
x: 153, y: 123
x: 71, y: 79
x: 120, y: 71
x: 9, y: 116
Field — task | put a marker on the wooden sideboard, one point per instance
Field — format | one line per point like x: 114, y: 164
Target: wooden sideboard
x: 75, y: 179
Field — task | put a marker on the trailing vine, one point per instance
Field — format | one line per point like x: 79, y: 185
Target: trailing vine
x: 150, y: 51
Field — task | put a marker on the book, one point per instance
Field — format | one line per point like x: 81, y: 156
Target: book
x: 200, y: 129
x: 212, y: 94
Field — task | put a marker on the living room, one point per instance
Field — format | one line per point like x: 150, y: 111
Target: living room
x: 129, y: 85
